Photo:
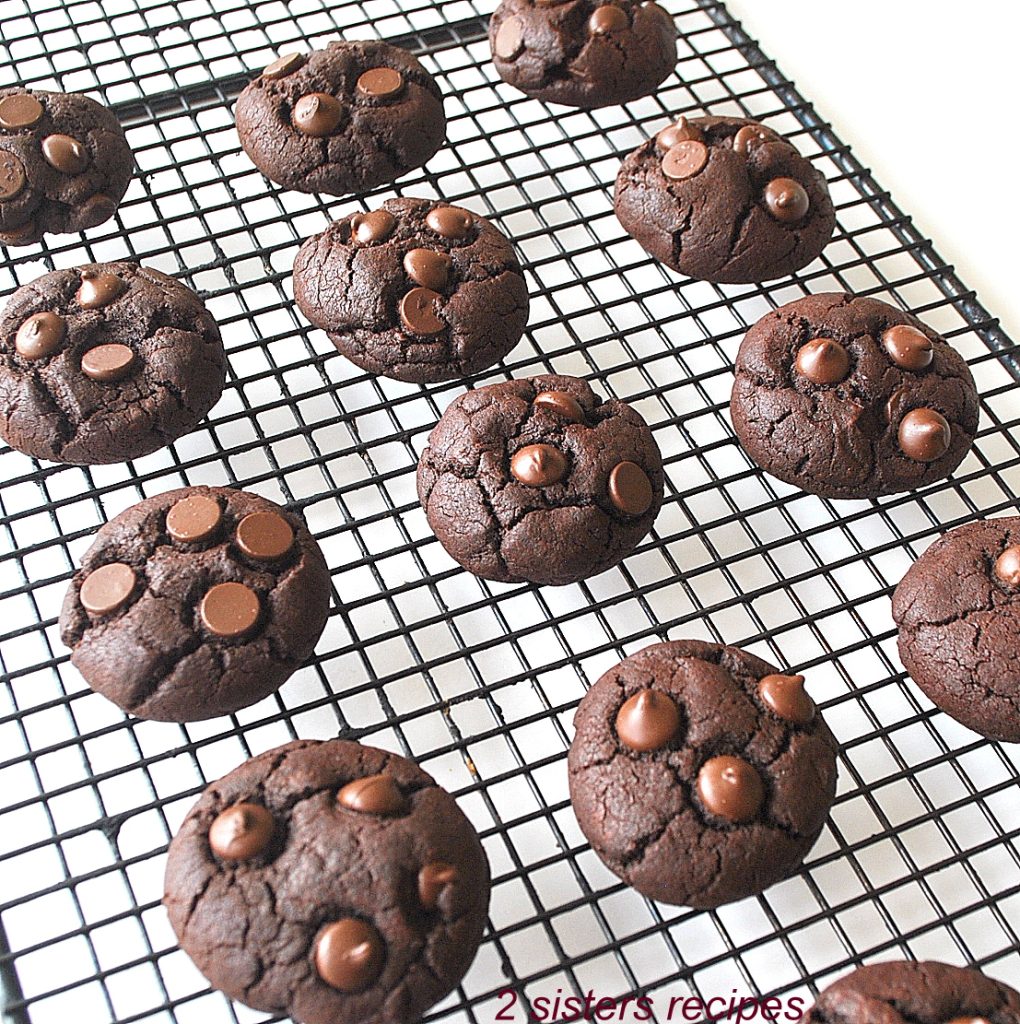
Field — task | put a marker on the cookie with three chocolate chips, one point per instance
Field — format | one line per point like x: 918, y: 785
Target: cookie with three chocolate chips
x: 344, y: 119
x: 849, y: 397
x: 540, y: 480
x: 64, y: 164
x: 583, y: 53
x: 417, y: 290
x: 724, y: 199
x: 700, y: 774
x: 195, y: 603
x: 329, y: 882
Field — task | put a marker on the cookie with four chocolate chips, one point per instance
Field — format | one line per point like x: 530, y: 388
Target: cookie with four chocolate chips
x: 700, y: 774
x: 329, y: 882
x: 724, y: 199
x: 540, y: 480
x: 344, y: 119
x: 417, y: 290
x: 849, y: 397
x: 195, y: 603
x: 583, y: 53
x: 64, y: 164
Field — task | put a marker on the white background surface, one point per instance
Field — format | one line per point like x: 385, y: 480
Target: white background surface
x: 926, y: 95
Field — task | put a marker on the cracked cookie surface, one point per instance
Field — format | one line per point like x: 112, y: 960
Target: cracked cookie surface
x: 329, y: 882
x: 344, y: 119
x: 958, y: 613
x: 105, y: 363
x: 64, y: 164
x: 583, y: 53
x: 916, y: 992
x: 699, y: 773
x: 417, y: 290
x: 724, y: 199
x: 195, y: 603
x: 849, y: 397
x: 540, y: 480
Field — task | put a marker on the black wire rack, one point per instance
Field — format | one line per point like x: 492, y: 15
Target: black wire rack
x: 475, y: 681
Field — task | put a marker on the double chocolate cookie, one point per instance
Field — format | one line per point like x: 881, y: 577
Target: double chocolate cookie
x: 916, y: 992
x: 64, y: 164
x: 416, y: 290
x: 724, y: 199
x: 699, y: 773
x: 105, y: 363
x: 852, y: 398
x: 195, y: 603
x: 958, y: 613
x: 329, y: 882
x: 583, y: 53
x: 540, y: 480
x: 344, y: 119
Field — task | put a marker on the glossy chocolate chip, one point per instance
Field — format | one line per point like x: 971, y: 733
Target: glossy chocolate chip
x: 376, y: 226
x: 681, y: 131
x: 561, y: 404
x: 428, y: 268
x: 98, y: 289
x: 40, y: 335
x: 380, y: 84
x: 730, y: 788
x: 12, y: 176
x: 607, y: 19
x: 924, y: 435
x: 107, y: 589
x: 316, y: 114
x: 230, y: 610
x: 509, y: 41
x: 786, y: 200
x: 823, y: 361
x: 285, y: 65
x: 1007, y: 566
x: 20, y: 111
x: 418, y: 312
x: 241, y: 832
x: 648, y: 720
x: 349, y: 954
x: 265, y: 536
x: 373, y: 794
x: 908, y: 347
x: 108, y: 363
x: 450, y: 221
x: 432, y: 880
x: 65, y: 154
x: 630, y: 490
x: 786, y: 696
x: 751, y: 136
x: 685, y: 160
x: 539, y: 465
x: 193, y: 519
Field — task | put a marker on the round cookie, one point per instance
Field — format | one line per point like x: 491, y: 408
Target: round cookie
x: 195, y: 603
x: 417, y: 290
x: 329, y: 882
x: 344, y: 119
x: 105, y: 363
x: 540, y: 480
x: 958, y: 613
x: 64, y: 164
x: 699, y: 773
x: 849, y: 397
x: 911, y: 991
x: 583, y: 53
x: 724, y: 199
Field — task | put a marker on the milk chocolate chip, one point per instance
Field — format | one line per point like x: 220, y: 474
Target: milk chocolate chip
x: 349, y: 954
x: 648, y: 720
x: 241, y: 832
x: 731, y: 788
x: 539, y: 465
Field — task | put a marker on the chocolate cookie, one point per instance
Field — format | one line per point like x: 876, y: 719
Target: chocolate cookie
x: 724, y: 199
x: 700, y: 774
x: 915, y: 992
x: 329, y: 882
x: 416, y: 290
x: 344, y: 119
x: 583, y: 53
x: 852, y: 398
x: 105, y: 363
x: 195, y: 603
x: 958, y: 612
x: 540, y: 480
x: 64, y: 164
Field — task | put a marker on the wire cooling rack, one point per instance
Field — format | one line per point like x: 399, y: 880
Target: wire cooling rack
x: 475, y: 681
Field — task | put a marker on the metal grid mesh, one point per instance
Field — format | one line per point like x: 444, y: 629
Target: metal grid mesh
x: 478, y: 681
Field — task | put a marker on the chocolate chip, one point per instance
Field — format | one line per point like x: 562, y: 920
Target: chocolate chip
x: 908, y: 347
x: 924, y: 435
x: 786, y: 696
x: 681, y: 131
x: 21, y: 234
x: 432, y: 880
x: 65, y: 154
x: 374, y: 794
x: 730, y: 788
x: 428, y: 268
x: 648, y: 720
x: 107, y: 589
x: 650, y: 5
x: 285, y: 65
x: 380, y: 84
x: 265, y: 536
x: 12, y: 176
x: 20, y: 111
x: 98, y: 289
x: 40, y: 336
x: 630, y: 490
x: 230, y: 610
x: 823, y: 361
x: 349, y: 954
x: 108, y: 363
x: 418, y: 312
x: 194, y: 519
x: 539, y: 465
x: 450, y: 221
x: 1007, y: 566
x: 685, y: 160
x: 751, y: 136
x: 607, y: 19
x: 376, y: 226
x: 787, y: 200
x: 561, y: 404
x: 316, y: 114
x: 241, y: 832
x: 509, y: 40
x: 96, y: 210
